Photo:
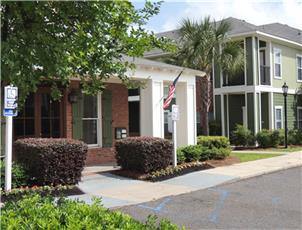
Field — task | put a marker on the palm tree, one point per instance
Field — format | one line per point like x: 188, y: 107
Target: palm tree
x: 201, y: 43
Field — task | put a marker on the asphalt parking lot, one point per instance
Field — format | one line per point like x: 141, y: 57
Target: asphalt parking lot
x: 271, y: 201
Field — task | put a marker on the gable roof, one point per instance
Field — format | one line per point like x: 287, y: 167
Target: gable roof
x: 239, y: 26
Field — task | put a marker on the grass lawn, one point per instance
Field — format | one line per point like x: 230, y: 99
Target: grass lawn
x: 292, y: 148
x: 244, y: 157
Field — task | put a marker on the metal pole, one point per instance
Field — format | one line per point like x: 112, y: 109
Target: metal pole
x: 285, y: 121
x: 8, y: 152
x: 174, y: 144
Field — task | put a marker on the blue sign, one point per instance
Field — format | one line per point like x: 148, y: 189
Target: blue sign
x: 10, y: 112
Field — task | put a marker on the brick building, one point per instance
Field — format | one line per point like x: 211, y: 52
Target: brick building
x: 113, y: 114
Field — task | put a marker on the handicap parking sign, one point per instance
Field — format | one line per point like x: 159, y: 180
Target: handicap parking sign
x: 10, y: 101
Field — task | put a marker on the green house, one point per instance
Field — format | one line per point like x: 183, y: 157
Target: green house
x: 254, y: 97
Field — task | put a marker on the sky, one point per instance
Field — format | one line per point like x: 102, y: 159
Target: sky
x: 256, y: 12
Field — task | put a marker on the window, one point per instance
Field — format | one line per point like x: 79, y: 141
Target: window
x: 299, y: 117
x: 90, y: 119
x: 299, y: 68
x: 278, y: 117
x: 277, y: 63
x: 24, y: 123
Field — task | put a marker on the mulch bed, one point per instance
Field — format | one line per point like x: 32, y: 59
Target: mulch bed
x: 196, y: 167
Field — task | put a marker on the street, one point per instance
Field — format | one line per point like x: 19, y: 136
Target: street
x: 271, y: 201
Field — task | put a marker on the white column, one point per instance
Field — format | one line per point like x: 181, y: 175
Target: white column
x: 271, y: 110
x: 8, y: 153
x: 186, y: 126
x: 222, y: 115
x: 151, y: 109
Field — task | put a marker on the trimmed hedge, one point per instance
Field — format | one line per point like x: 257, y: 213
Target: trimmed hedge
x: 36, y: 212
x: 143, y: 154
x: 51, y: 161
x: 19, y: 176
x: 213, y: 141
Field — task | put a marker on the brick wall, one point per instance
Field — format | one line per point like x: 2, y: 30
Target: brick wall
x: 100, y: 155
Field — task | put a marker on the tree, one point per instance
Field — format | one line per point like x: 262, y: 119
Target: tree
x: 54, y: 42
x: 201, y: 43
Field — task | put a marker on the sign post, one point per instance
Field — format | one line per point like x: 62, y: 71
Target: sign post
x: 175, y: 117
x: 10, y: 106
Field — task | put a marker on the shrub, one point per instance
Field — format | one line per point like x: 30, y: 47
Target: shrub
x: 192, y: 152
x: 295, y: 137
x: 264, y: 138
x: 215, y: 153
x: 242, y: 136
x: 36, y: 212
x: 144, y: 154
x: 213, y: 141
x: 19, y: 176
x: 52, y: 161
x: 180, y: 155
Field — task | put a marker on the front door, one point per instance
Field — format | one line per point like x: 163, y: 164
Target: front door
x: 40, y: 117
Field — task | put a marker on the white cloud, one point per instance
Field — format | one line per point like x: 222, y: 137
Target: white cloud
x: 256, y: 12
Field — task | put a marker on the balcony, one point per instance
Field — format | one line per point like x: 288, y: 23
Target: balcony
x: 265, y: 78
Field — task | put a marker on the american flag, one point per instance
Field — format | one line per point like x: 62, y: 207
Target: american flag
x: 171, y: 92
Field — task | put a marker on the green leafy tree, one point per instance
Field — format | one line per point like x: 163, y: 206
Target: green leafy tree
x: 201, y: 43
x: 53, y: 42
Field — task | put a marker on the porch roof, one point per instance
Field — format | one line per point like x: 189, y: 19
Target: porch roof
x: 160, y: 65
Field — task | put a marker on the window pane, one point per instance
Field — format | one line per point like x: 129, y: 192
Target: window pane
x: 29, y: 106
x: 90, y: 106
x: 29, y: 127
x: 300, y: 124
x: 18, y: 127
x: 45, y: 127
x: 279, y: 125
x: 277, y: 70
x: 45, y: 105
x: 299, y: 74
x: 300, y: 114
x: 278, y: 114
x: 90, y: 131
x: 277, y: 57
x: 55, y: 109
x: 55, y: 128
x: 299, y: 62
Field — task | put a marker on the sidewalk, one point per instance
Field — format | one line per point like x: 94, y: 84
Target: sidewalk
x: 119, y: 191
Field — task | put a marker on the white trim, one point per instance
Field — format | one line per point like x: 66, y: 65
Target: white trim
x: 254, y: 62
x: 271, y: 62
x: 275, y: 108
x: 255, y: 104
x: 300, y: 56
x: 258, y: 55
x: 298, y: 108
x: 244, y: 51
x: 246, y: 107
x: 241, y: 89
x: 260, y: 111
x: 271, y: 110
x: 228, y: 117
x: 222, y: 114
x: 98, y: 124
x: 277, y: 50
x: 268, y: 36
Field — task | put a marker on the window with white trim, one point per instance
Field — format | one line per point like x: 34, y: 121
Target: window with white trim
x: 299, y: 117
x: 299, y: 67
x: 90, y: 119
x: 277, y: 63
x: 278, y: 117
